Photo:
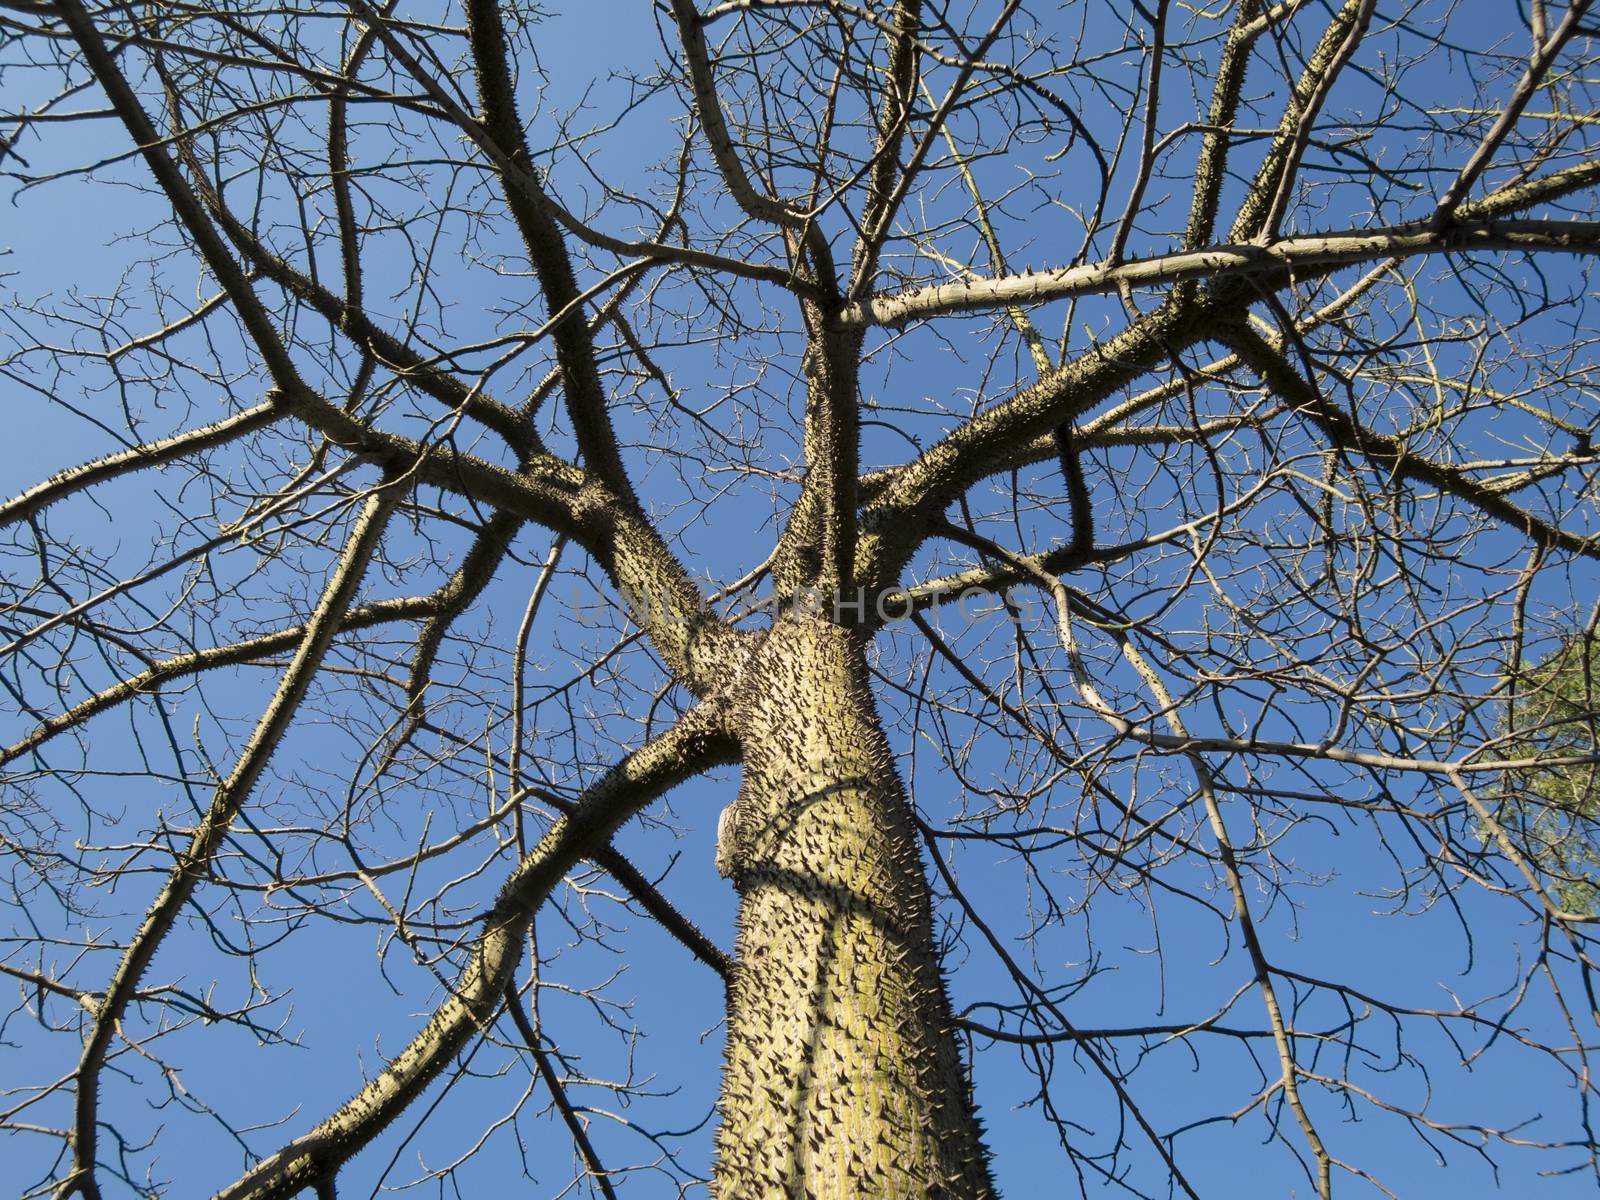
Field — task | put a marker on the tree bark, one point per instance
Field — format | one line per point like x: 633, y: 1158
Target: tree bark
x: 843, y: 1076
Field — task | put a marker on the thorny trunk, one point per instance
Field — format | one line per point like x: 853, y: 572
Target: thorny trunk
x: 843, y: 1076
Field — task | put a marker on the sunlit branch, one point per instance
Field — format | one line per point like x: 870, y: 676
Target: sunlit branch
x: 689, y: 748
x: 1389, y: 454
x: 230, y: 797
x: 1307, y: 95
x: 195, y: 662
x: 1545, y: 53
x: 137, y: 458
x: 1273, y: 265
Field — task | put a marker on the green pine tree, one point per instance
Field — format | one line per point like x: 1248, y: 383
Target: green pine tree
x: 1553, y: 811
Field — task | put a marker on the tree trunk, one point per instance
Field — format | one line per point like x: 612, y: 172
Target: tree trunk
x: 843, y: 1077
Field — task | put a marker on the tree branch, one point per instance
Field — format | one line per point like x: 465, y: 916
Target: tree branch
x: 1390, y: 455
x: 1272, y: 265
x: 137, y: 458
x: 230, y: 797
x: 691, y: 747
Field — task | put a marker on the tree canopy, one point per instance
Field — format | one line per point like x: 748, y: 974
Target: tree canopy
x: 799, y: 597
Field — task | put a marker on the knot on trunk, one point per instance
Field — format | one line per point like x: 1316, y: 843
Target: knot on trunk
x: 729, y: 848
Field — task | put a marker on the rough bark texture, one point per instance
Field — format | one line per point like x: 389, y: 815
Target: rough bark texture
x: 842, y: 1065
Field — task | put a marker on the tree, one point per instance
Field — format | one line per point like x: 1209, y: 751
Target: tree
x: 1088, y: 470
x: 1550, y: 718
